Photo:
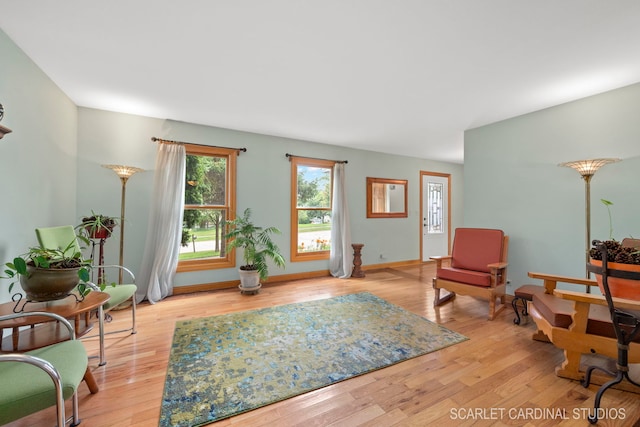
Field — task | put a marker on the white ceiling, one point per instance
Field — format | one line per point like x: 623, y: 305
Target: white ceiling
x: 395, y: 76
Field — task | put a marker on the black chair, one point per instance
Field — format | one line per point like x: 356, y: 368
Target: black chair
x: 626, y: 325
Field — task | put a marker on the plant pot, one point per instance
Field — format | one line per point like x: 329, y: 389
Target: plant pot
x: 99, y: 233
x: 44, y: 284
x: 249, y: 279
x: 620, y: 288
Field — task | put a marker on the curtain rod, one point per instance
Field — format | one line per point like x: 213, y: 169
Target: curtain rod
x: 168, y: 141
x: 315, y: 158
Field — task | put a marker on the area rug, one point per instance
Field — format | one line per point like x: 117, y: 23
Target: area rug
x: 224, y: 365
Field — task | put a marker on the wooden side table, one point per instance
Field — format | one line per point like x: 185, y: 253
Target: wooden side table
x: 29, y: 333
x: 42, y: 331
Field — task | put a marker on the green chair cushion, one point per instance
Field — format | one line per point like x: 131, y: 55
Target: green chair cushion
x: 27, y: 389
x: 118, y: 294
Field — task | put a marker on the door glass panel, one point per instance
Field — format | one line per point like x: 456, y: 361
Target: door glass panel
x: 435, y: 200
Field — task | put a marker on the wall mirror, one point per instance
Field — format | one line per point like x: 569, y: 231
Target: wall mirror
x: 386, y: 198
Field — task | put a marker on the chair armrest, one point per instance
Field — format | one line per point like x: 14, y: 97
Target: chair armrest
x: 57, y: 317
x: 40, y: 363
x: 498, y: 265
x: 439, y: 258
x: 550, y: 280
x: 125, y: 269
x: 627, y: 304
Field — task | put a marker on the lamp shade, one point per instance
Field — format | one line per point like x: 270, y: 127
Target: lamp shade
x: 122, y: 171
x: 588, y: 167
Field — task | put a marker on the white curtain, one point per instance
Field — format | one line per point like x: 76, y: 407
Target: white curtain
x: 341, y: 253
x: 164, y: 230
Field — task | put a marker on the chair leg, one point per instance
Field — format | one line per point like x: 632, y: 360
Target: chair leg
x: 76, y: 411
x: 492, y: 308
x: 514, y: 304
x: 103, y: 359
x: 133, y: 315
x: 593, y: 418
x: 441, y: 300
x: 60, y: 411
x: 91, y: 382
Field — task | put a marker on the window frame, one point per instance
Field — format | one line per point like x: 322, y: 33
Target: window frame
x: 304, y: 161
x: 229, y: 260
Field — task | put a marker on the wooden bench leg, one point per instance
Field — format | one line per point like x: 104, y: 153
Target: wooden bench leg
x: 570, y: 368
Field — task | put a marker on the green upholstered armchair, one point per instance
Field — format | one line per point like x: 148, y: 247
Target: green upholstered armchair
x: 60, y: 237
x: 42, y: 378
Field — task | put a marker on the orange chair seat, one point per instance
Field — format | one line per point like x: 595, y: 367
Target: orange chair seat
x: 476, y: 278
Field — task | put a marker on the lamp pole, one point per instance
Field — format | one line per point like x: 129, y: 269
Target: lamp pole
x: 124, y: 173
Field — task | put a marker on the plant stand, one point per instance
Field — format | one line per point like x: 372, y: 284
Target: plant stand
x: 100, y: 244
x: 250, y: 291
x: 357, y: 260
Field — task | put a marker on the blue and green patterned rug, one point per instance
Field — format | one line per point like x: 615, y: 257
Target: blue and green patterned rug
x: 224, y: 365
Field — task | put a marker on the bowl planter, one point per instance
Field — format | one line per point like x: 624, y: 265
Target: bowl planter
x: 49, y: 284
x: 619, y: 287
x: 49, y: 274
x: 99, y: 233
x: 97, y: 226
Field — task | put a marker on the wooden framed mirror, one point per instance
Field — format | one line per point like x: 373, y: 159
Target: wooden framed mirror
x: 386, y: 198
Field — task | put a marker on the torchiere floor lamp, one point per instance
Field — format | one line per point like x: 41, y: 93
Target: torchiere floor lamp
x: 587, y: 168
x: 124, y: 172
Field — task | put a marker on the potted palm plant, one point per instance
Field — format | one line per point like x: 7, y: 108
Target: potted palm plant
x: 257, y: 248
x: 49, y: 274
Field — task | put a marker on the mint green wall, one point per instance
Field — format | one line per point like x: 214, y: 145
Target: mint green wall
x: 512, y: 180
x: 38, y: 159
x: 263, y: 183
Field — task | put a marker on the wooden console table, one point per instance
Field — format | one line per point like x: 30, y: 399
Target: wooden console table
x: 42, y: 331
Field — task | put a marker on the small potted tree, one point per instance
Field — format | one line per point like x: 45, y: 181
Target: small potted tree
x: 257, y: 248
x: 97, y: 226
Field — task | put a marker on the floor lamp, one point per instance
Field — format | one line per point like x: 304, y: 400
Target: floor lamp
x: 586, y: 169
x: 124, y: 172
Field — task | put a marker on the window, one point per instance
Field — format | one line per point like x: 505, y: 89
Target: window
x: 311, y: 190
x: 209, y: 200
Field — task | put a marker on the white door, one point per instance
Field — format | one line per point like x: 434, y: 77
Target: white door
x: 435, y: 214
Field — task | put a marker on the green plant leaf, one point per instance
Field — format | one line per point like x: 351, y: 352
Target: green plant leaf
x: 20, y: 265
x: 84, y: 275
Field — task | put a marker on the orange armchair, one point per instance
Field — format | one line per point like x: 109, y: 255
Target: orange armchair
x: 478, y: 267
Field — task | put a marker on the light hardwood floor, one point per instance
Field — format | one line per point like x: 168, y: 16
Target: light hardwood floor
x: 500, y: 375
